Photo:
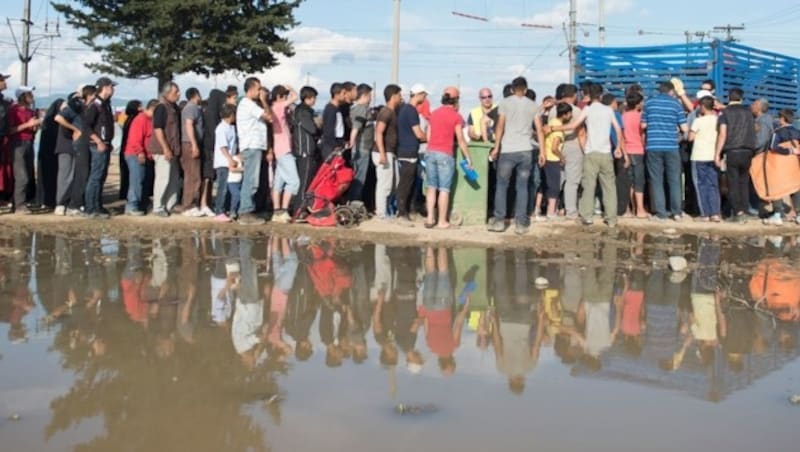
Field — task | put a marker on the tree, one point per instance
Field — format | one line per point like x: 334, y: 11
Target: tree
x: 162, y: 38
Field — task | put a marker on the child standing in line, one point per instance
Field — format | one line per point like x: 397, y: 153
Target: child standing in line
x: 634, y: 146
x: 552, y: 160
x: 236, y: 172
x: 225, y: 149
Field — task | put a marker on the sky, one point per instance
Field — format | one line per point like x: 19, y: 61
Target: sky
x: 341, y: 40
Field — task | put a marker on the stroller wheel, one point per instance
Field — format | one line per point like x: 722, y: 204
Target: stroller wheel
x: 359, y: 210
x: 345, y: 217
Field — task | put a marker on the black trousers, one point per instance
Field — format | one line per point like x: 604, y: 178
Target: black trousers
x: 82, y: 163
x: 738, y: 173
x: 405, y: 187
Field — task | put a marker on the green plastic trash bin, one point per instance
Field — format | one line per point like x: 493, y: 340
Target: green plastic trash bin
x: 470, y: 200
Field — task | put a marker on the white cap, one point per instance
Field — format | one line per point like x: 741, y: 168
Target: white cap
x: 418, y: 89
x: 704, y: 93
x: 23, y: 89
x: 414, y: 368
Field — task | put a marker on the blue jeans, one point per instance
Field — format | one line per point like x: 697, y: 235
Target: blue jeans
x: 136, y: 172
x: 222, y: 191
x: 706, y: 182
x: 94, y: 187
x: 235, y: 191
x: 534, y: 182
x: 251, y: 159
x: 521, y: 162
x: 440, y: 169
x: 664, y: 168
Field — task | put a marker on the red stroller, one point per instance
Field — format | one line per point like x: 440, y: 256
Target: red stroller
x: 319, y: 203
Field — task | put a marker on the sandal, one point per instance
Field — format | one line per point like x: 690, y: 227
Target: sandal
x: 430, y: 225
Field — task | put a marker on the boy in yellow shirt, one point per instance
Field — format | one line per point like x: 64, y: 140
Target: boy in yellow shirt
x: 552, y: 159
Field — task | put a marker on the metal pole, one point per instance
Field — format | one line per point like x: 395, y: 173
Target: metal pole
x: 573, y: 33
x: 601, y: 28
x: 396, y: 44
x: 26, y: 41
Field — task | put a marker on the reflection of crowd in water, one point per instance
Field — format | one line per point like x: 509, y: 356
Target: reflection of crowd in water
x: 276, y: 301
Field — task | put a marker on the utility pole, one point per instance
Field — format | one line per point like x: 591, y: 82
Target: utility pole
x: 25, y: 56
x: 396, y: 44
x: 572, y: 39
x: 601, y: 22
x: 729, y: 29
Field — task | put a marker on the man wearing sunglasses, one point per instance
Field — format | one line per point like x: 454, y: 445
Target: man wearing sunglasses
x: 483, y: 118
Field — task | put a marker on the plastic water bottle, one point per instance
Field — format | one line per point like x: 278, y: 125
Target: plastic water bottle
x: 470, y: 173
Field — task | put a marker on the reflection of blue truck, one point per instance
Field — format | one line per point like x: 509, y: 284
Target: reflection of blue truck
x: 759, y: 73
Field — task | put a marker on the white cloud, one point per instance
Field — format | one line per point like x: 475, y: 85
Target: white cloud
x: 587, y: 11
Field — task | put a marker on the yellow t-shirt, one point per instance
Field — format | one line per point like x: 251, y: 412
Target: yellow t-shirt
x: 549, y: 141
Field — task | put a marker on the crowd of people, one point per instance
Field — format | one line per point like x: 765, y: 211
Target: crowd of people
x: 580, y: 153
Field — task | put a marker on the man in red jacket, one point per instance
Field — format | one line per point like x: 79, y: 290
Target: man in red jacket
x: 137, y: 157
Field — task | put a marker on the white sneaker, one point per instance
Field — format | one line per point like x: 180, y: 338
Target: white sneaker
x: 774, y: 220
x: 194, y: 212
x: 60, y: 211
x: 539, y: 219
x: 208, y: 212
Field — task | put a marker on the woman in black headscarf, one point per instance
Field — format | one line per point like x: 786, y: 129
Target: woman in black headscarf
x: 133, y: 108
x: 47, y: 161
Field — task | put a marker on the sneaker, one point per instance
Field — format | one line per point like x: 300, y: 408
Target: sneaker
x: 194, y: 212
x: 134, y: 213
x: 678, y: 218
x: 281, y: 216
x: 248, y: 219
x: 586, y: 222
x: 24, y: 210
x: 76, y: 213
x: 496, y: 225
x: 222, y: 218
x: 774, y: 220
x: 99, y: 215
x: 539, y: 219
x: 161, y: 213
x: 208, y: 212
x: 741, y: 218
x: 521, y: 229
x: 657, y: 219
x: 60, y: 211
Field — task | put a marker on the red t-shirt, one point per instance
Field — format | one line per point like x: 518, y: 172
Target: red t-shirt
x: 442, y: 124
x: 631, y: 312
x: 18, y: 115
x: 135, y: 299
x: 439, y: 334
x: 632, y: 131
x: 139, y: 135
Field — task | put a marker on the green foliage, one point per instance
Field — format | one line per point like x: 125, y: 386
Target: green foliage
x: 162, y: 38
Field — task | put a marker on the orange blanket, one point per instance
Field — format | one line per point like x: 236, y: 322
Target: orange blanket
x: 775, y: 176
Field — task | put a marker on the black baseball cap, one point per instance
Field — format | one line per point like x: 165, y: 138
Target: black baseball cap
x: 5, y: 76
x: 105, y: 81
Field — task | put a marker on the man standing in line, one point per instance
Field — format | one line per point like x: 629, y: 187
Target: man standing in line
x: 736, y: 142
x: 598, y: 163
x: 98, y: 125
x: 191, y: 143
x: 5, y: 107
x: 22, y: 127
x: 252, y: 120
x: 662, y: 118
x: 385, y: 152
x: 362, y: 138
x: 410, y: 135
x: 573, y: 153
x: 165, y: 146
x: 483, y: 118
x: 513, y: 152
x: 333, y: 124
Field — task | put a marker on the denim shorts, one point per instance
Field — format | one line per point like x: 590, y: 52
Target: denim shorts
x: 440, y: 169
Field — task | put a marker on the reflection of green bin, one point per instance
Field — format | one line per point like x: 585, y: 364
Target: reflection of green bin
x: 471, y: 264
x: 470, y: 200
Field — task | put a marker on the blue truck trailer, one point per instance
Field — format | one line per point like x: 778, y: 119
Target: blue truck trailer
x: 759, y: 73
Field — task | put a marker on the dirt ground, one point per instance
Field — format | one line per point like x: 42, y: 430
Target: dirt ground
x: 556, y: 236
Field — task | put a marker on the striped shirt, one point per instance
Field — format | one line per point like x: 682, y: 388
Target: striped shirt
x: 663, y: 115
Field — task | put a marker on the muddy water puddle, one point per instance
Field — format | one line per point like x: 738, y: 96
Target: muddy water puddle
x: 211, y: 343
